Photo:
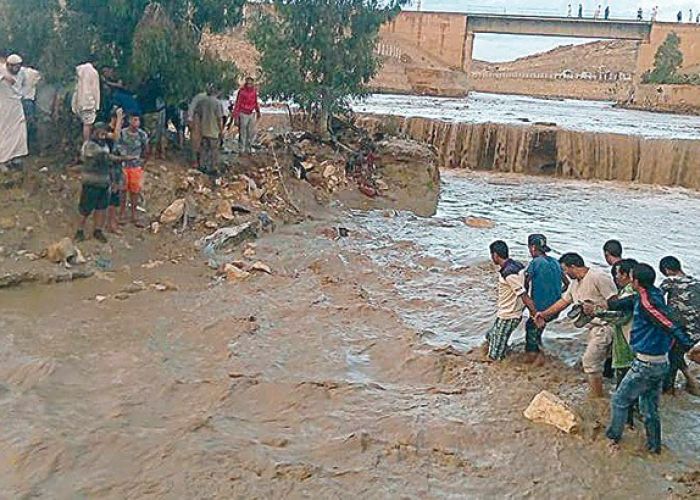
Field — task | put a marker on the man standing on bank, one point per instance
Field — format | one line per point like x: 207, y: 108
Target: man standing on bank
x: 246, y: 112
x: 587, y: 286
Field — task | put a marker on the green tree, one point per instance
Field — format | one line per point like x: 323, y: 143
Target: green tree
x: 147, y: 41
x: 320, y: 53
x: 667, y: 62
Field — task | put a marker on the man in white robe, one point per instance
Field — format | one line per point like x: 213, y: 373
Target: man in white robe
x: 13, y: 125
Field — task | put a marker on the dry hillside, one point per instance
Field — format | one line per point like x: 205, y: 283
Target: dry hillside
x: 611, y: 55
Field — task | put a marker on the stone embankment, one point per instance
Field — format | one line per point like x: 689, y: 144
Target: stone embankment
x: 547, y: 149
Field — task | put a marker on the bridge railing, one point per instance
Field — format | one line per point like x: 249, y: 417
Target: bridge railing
x: 600, y: 76
x: 478, y: 8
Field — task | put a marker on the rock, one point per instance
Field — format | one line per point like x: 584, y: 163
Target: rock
x: 259, y: 266
x: 65, y: 252
x: 155, y: 227
x: 122, y: 296
x: 315, y: 179
x: 329, y: 171
x: 694, y: 354
x: 211, y: 225
x: 224, y: 211
x: 165, y: 286
x: 100, y: 298
x: 343, y: 232
x: 151, y: 264
x: 381, y: 185
x: 174, y: 212
x: 549, y: 409
x: 7, y: 223
x: 233, y: 273
x: 134, y: 287
x: 249, y: 250
x: 479, y: 222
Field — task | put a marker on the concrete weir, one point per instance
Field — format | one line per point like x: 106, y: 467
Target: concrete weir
x: 542, y: 149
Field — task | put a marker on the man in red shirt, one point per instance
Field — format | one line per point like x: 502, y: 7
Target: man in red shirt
x: 246, y: 112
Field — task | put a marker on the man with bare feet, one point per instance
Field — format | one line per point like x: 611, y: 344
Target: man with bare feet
x: 596, y: 287
x: 545, y: 282
x: 653, y: 333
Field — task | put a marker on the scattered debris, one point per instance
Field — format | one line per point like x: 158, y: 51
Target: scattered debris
x: 549, y: 409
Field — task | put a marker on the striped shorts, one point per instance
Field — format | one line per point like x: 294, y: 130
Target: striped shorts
x: 499, y: 335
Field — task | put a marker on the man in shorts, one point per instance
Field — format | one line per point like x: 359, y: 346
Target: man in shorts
x: 595, y: 287
x: 133, y: 143
x: 94, y: 197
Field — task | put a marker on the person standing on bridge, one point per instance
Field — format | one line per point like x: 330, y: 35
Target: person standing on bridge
x: 690, y: 16
x: 568, y: 11
x: 654, y: 13
x: 596, y: 14
x: 640, y: 14
x: 580, y: 10
x: 679, y: 16
x: 607, y: 12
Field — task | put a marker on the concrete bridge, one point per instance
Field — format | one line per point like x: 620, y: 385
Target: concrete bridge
x: 449, y: 36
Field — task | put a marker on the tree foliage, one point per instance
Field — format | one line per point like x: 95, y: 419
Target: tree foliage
x: 319, y: 53
x: 145, y: 40
x: 667, y: 61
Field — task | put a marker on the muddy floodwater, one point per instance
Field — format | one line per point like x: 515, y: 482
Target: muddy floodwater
x: 583, y: 116
x: 348, y: 372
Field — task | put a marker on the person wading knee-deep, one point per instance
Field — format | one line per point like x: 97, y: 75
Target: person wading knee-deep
x: 512, y: 298
x: 246, y: 112
x: 683, y: 297
x: 545, y: 282
x: 596, y: 287
x: 653, y: 333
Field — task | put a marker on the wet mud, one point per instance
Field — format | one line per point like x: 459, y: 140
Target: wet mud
x: 351, y: 371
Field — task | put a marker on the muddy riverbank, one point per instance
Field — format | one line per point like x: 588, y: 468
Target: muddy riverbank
x: 349, y: 371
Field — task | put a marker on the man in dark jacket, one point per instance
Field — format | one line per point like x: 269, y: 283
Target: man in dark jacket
x: 653, y: 334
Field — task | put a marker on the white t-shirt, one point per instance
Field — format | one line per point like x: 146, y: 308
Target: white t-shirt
x: 596, y: 287
x: 510, y: 292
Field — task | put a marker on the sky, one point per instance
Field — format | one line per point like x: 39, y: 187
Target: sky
x: 497, y: 48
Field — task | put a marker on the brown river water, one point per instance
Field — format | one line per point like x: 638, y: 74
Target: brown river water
x: 347, y: 373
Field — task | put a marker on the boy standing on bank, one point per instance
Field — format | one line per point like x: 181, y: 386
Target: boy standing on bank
x: 133, y: 143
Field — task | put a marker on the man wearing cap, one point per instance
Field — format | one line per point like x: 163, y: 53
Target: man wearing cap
x: 596, y: 287
x: 545, y: 281
x: 13, y: 139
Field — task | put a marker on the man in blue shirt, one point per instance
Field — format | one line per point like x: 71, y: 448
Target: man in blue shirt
x: 653, y: 334
x: 545, y: 281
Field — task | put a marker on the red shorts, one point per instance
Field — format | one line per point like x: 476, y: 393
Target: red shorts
x: 133, y: 179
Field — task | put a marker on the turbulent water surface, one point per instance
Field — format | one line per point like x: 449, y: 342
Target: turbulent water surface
x: 586, y: 116
x: 576, y: 216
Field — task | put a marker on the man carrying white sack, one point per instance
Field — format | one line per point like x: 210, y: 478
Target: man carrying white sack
x: 86, y: 99
x: 13, y: 125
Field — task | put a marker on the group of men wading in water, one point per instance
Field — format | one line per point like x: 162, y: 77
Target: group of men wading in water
x: 638, y: 333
